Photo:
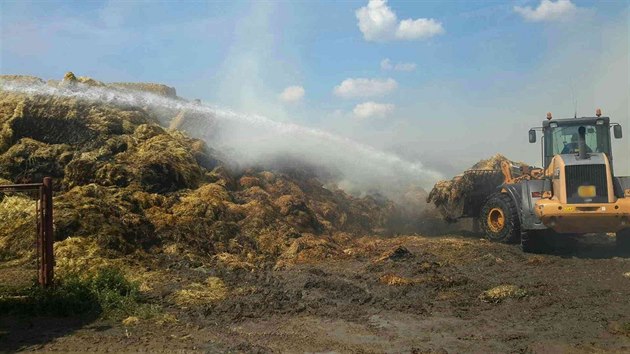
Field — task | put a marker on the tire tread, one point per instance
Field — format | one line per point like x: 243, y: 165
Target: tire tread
x: 513, y: 222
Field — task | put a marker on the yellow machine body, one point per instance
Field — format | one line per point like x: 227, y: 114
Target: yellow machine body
x: 557, y: 213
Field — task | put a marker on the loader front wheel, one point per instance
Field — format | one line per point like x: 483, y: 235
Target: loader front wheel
x: 499, y: 219
x: 623, y: 241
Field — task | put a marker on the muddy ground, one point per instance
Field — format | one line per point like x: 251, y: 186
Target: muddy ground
x: 409, y: 294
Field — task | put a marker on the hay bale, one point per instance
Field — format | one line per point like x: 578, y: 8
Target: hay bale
x: 21, y: 79
x: 90, y: 82
x: 158, y: 89
x: 69, y: 77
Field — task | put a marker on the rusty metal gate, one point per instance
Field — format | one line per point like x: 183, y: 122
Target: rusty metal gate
x: 44, y: 226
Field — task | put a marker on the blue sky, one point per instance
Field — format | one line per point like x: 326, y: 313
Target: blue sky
x: 463, y: 80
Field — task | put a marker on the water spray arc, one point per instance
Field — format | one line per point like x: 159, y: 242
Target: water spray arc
x: 249, y: 139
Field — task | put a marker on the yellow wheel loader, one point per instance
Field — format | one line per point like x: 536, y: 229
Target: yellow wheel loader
x: 576, y: 192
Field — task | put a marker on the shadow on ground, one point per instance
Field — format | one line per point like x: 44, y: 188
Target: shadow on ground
x: 22, y: 332
x: 31, y: 316
x: 588, y: 246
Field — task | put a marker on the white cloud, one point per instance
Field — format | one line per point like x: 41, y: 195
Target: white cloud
x: 372, y: 109
x: 292, y: 94
x: 361, y: 87
x: 387, y: 64
x: 378, y: 22
x: 548, y: 10
x: 418, y: 29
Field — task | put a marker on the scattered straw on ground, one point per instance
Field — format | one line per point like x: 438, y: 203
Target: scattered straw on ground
x: 166, y: 319
x: 309, y: 249
x: 233, y: 262
x: 395, y: 254
x: 131, y: 321
x: 198, y: 294
x: 537, y: 260
x: 395, y: 280
x: 619, y: 328
x: 502, y: 292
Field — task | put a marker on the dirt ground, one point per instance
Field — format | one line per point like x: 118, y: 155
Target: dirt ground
x: 414, y: 294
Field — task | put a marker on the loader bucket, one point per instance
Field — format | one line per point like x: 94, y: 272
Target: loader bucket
x: 480, y: 184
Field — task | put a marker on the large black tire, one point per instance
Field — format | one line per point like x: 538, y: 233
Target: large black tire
x: 623, y: 241
x: 499, y: 219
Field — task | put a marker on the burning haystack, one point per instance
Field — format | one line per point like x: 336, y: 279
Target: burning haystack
x: 129, y: 184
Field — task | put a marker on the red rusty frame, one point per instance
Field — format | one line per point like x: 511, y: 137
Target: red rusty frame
x: 45, y: 236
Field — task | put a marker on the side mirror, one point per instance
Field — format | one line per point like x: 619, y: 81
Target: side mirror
x: 617, y: 131
x: 532, y: 136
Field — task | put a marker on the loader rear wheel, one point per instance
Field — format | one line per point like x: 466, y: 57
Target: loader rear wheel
x: 623, y: 241
x: 499, y: 219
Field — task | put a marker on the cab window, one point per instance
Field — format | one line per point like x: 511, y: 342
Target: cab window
x: 564, y: 139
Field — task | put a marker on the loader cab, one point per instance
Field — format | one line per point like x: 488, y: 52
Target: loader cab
x: 560, y: 136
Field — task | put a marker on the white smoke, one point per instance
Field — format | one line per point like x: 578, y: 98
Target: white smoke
x: 250, y: 140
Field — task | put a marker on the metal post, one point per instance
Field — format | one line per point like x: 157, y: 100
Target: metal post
x: 47, y: 241
x: 40, y: 236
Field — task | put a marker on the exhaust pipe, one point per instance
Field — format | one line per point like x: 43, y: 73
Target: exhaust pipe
x: 582, y: 144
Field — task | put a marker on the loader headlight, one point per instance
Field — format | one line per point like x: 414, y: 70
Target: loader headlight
x: 627, y: 192
x: 587, y: 191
